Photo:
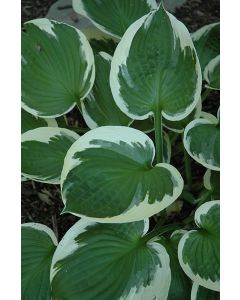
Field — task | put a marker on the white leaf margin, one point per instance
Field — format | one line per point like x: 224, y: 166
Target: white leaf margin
x: 202, y: 210
x: 158, y: 288
x: 46, y: 25
x: 209, y: 164
x: 209, y: 69
x: 43, y: 135
x: 128, y: 135
x: 41, y: 228
x: 121, y: 55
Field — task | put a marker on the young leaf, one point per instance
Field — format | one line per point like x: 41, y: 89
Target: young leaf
x: 99, y: 107
x: 113, y: 16
x: 212, y: 74
x: 202, y: 142
x: 57, y: 67
x: 38, y: 245
x: 29, y: 122
x: 109, y: 262
x: 155, y: 69
x: 180, y: 287
x: 43, y: 152
x: 211, y: 181
x: 108, y: 176
x: 201, y: 293
x: 207, y: 43
x: 198, y: 250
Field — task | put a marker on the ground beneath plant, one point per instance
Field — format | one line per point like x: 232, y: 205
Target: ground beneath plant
x: 42, y: 202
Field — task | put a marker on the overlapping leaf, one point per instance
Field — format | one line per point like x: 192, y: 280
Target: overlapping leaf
x: 201, y: 293
x: 155, y: 69
x: 43, y: 152
x: 199, y: 250
x: 178, y: 126
x: 207, y: 43
x: 180, y: 287
x: 109, y: 262
x: 108, y: 176
x: 99, y: 107
x: 212, y: 74
x: 113, y: 16
x: 202, y: 142
x: 38, y: 245
x: 211, y: 182
x: 29, y: 122
x: 57, y: 67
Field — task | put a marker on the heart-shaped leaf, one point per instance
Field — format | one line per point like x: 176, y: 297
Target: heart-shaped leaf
x: 211, y: 181
x: 155, y: 69
x: 202, y: 142
x: 109, y: 262
x: 113, y: 16
x: 181, y: 285
x: 199, y: 250
x: 201, y: 293
x: 38, y: 245
x: 179, y: 126
x: 99, y: 107
x: 29, y: 122
x: 212, y: 74
x: 43, y: 152
x: 108, y: 176
x: 57, y: 67
x: 207, y: 43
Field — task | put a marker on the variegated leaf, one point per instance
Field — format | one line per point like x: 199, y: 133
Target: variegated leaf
x: 113, y: 16
x: 108, y: 176
x: 155, y: 69
x: 43, y: 152
x: 199, y: 250
x: 57, y: 67
x: 109, y: 262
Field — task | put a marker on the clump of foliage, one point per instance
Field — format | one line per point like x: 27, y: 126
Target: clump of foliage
x: 117, y: 173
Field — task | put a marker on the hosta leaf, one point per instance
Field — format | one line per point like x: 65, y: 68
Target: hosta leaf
x: 38, y: 245
x: 201, y: 293
x: 211, y: 182
x: 212, y: 74
x: 108, y: 176
x: 144, y: 125
x: 29, y: 122
x: 198, y: 250
x: 99, y: 107
x: 57, y: 67
x: 178, y: 126
x: 180, y: 287
x: 207, y: 43
x: 109, y: 262
x: 149, y: 76
x: 43, y: 152
x: 202, y: 142
x: 113, y: 16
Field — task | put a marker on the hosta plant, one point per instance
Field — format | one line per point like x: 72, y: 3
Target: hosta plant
x: 141, y: 104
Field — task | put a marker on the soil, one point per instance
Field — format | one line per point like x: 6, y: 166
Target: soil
x: 42, y: 202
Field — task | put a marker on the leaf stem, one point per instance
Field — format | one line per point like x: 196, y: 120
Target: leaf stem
x: 187, y: 167
x: 158, y: 135
x: 159, y: 230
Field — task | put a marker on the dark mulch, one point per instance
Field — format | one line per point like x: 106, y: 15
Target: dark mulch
x: 42, y: 202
